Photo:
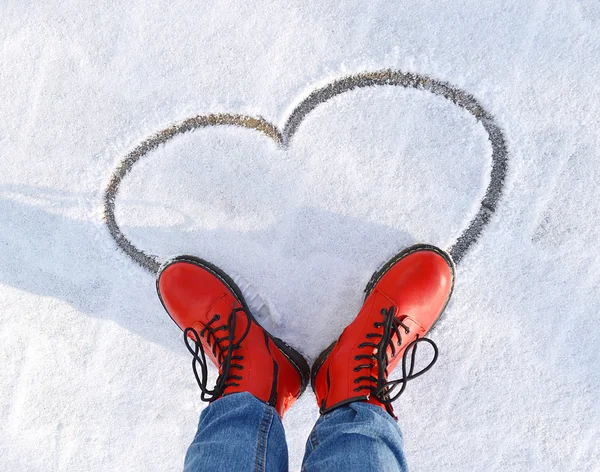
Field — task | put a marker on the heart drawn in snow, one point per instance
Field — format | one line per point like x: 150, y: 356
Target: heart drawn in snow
x: 283, y: 138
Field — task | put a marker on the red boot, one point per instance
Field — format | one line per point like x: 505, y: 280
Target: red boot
x: 403, y: 301
x: 209, y: 307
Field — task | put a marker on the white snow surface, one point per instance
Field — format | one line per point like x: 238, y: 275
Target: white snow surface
x: 95, y: 375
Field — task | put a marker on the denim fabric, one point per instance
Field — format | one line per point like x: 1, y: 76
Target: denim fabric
x: 240, y: 433
x: 357, y: 437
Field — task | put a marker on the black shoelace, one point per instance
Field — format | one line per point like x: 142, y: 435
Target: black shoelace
x: 223, y: 353
x: 378, y: 386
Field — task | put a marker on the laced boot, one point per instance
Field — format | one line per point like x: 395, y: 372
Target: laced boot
x: 403, y: 300
x: 216, y: 321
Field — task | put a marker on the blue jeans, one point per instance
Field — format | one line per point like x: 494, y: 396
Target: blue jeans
x: 240, y: 433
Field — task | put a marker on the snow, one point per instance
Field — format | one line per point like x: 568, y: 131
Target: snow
x: 95, y: 376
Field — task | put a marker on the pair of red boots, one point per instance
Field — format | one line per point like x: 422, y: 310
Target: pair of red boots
x: 403, y: 301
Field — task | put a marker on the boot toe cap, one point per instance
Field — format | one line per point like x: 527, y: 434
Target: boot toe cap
x: 187, y: 291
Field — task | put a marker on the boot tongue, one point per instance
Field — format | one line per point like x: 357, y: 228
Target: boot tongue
x: 231, y: 314
x: 406, y: 338
x: 372, y: 399
x: 413, y: 325
x: 223, y: 307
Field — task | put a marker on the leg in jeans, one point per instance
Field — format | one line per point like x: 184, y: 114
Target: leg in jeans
x: 238, y: 433
x: 357, y: 437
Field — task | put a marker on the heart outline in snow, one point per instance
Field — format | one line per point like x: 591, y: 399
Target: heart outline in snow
x: 467, y: 238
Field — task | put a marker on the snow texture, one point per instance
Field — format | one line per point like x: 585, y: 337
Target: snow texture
x: 95, y: 375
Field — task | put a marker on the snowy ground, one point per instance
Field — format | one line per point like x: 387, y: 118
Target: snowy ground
x: 95, y: 375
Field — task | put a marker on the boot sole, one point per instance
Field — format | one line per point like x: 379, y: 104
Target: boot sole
x: 376, y: 277
x: 295, y: 358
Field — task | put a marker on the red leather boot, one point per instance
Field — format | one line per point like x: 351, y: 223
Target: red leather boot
x: 403, y: 301
x: 209, y: 307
